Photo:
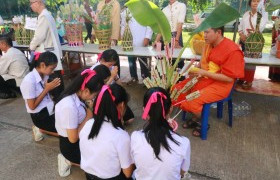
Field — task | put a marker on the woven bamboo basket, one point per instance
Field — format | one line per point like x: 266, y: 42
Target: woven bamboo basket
x: 74, y: 34
x: 103, y: 36
x: 23, y: 36
x: 127, y: 40
x: 255, y: 42
x: 254, y: 46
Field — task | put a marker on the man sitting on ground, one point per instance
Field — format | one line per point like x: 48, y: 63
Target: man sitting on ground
x: 14, y: 67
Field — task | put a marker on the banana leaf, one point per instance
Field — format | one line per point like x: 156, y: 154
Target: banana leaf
x: 147, y: 13
x: 219, y: 17
x: 272, y: 5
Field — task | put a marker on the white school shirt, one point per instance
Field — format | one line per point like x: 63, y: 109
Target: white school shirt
x: 108, y: 153
x: 139, y: 32
x: 69, y: 114
x: 245, y: 23
x: 31, y: 87
x: 150, y: 168
x: 175, y: 14
x: 13, y: 65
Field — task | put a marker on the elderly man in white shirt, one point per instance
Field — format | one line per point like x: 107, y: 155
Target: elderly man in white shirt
x: 141, y: 36
x: 46, y: 39
x: 175, y: 13
x: 14, y: 67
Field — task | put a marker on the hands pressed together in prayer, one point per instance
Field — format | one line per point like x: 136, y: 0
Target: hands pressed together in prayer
x: 53, y: 84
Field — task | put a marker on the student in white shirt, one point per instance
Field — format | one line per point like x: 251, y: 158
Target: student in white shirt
x: 104, y: 145
x: 110, y: 58
x: 175, y: 13
x: 248, y: 25
x: 46, y: 39
x: 70, y: 115
x: 35, y: 91
x: 141, y: 37
x: 158, y: 152
x: 14, y: 67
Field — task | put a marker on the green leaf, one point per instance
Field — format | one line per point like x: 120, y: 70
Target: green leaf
x: 219, y: 17
x: 147, y: 13
x: 272, y: 5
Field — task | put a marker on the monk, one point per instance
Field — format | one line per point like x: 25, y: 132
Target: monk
x: 213, y: 85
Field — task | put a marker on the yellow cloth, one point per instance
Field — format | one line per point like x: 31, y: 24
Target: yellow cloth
x: 208, y: 66
x: 197, y: 43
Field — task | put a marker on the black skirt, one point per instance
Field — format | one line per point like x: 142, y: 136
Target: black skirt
x: 71, y: 151
x: 121, y: 176
x: 43, y: 120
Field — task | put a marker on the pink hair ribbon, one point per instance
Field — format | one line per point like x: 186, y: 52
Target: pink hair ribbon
x: 36, y: 55
x: 90, y: 73
x: 154, y: 99
x: 99, y: 98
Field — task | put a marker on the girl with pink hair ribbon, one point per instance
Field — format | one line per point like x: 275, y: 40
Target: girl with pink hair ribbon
x: 35, y: 89
x: 104, y: 144
x: 157, y: 149
x: 71, y: 113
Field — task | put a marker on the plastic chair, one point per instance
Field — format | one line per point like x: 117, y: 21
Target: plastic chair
x: 206, y: 111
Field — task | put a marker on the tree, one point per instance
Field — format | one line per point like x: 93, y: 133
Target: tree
x: 199, y: 5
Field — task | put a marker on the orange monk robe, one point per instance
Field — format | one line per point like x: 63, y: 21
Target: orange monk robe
x: 228, y: 56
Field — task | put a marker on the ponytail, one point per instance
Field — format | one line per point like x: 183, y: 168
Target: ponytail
x: 48, y: 58
x: 157, y: 104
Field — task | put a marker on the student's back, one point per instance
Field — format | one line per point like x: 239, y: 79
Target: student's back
x: 104, y: 155
x: 151, y: 168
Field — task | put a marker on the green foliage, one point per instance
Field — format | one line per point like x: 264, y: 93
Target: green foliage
x: 219, y: 17
x: 272, y: 5
x: 147, y: 13
x: 199, y: 5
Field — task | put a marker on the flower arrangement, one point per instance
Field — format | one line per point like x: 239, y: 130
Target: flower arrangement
x: 23, y: 36
x: 72, y: 15
x: 102, y: 25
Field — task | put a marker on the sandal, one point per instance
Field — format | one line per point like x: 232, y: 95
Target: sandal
x: 197, y: 130
x: 190, y: 124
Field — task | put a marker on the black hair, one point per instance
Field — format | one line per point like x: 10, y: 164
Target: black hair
x: 48, y: 58
x: 110, y: 55
x: 108, y: 109
x: 222, y: 28
x: 7, y: 40
x: 103, y: 71
x: 157, y: 129
x: 249, y: 3
x: 94, y: 85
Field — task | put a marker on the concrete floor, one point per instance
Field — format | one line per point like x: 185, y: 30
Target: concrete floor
x: 249, y: 150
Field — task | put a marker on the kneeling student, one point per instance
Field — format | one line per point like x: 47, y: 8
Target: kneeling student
x: 35, y: 91
x: 158, y: 152
x: 71, y: 113
x: 104, y: 145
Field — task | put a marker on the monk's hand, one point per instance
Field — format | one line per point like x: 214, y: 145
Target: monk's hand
x: 199, y: 73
